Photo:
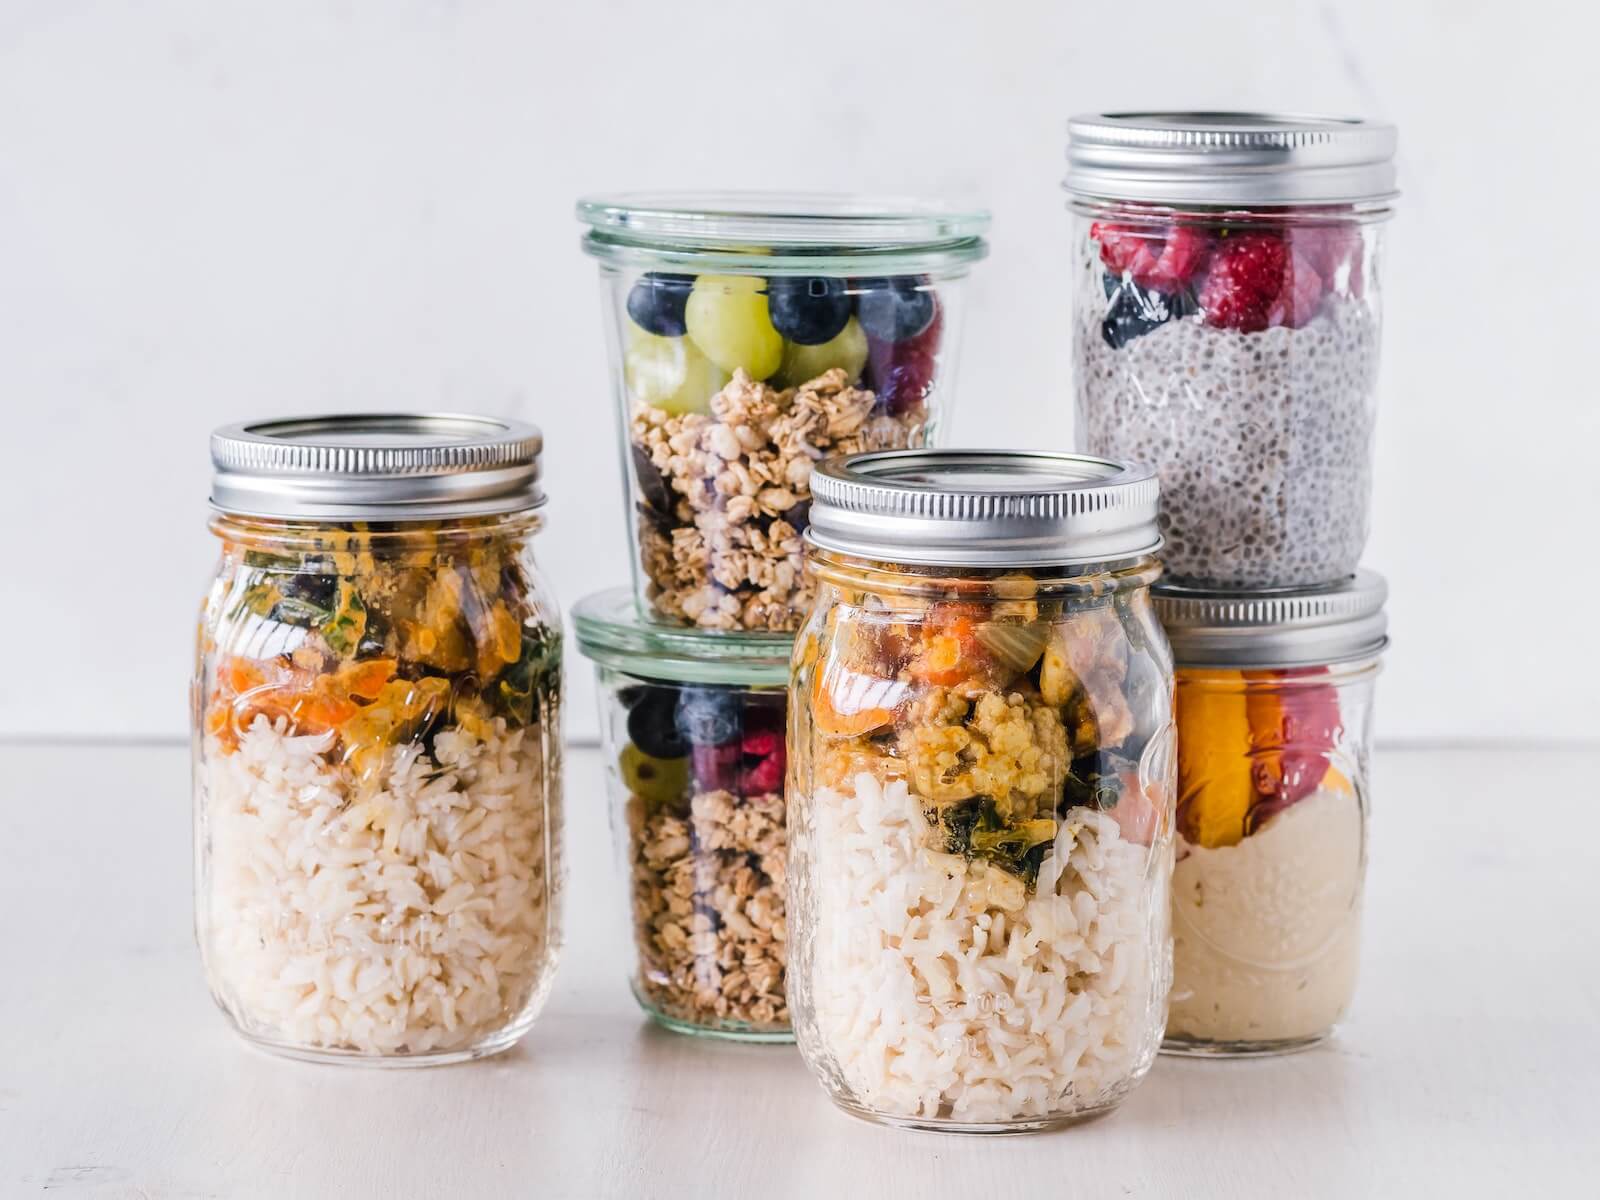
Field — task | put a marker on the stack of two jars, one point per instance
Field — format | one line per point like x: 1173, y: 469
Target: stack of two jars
x: 1226, y: 317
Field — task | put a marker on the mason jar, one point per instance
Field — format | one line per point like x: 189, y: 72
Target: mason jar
x: 750, y: 336
x: 981, y: 789
x: 1274, y: 748
x: 376, y: 709
x: 1227, y: 313
x: 692, y: 732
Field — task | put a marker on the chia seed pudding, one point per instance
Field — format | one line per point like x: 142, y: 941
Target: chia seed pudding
x: 1263, y: 440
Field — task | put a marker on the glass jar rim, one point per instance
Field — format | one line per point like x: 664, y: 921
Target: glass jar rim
x: 783, y: 232
x: 613, y: 633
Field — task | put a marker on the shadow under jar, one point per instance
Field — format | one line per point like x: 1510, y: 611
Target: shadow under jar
x: 980, y: 833
x: 692, y: 730
x: 1226, y: 318
x: 377, y: 740
x: 1274, y: 713
x: 752, y: 335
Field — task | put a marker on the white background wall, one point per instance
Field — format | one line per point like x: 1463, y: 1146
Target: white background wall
x: 210, y: 211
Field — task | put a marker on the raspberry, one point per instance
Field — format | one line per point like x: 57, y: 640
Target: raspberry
x: 1301, y: 296
x: 1246, y: 275
x: 901, y: 373
x: 1151, y: 262
x: 766, y: 776
x: 763, y: 743
x: 1121, y: 248
x: 1329, y: 249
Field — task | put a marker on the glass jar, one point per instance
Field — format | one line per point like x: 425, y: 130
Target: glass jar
x: 981, y: 789
x: 692, y: 730
x: 750, y: 336
x: 1274, y: 744
x: 1226, y: 325
x: 376, y: 713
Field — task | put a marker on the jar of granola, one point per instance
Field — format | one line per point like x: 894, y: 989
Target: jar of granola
x: 1274, y: 741
x: 1226, y: 324
x: 692, y: 729
x: 377, y: 739
x: 752, y: 335
x: 981, y: 789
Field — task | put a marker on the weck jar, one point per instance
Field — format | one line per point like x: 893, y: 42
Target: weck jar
x: 376, y: 710
x: 981, y: 789
x: 1226, y: 301
x: 751, y: 335
x: 1274, y: 717
x: 692, y: 732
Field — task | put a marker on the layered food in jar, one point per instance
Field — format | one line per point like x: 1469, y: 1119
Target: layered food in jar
x: 981, y: 808
x: 693, y: 734
x: 377, y: 795
x: 751, y: 337
x: 1226, y: 331
x: 1271, y: 820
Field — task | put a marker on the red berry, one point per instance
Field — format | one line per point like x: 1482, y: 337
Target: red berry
x: 1183, y: 253
x: 763, y: 743
x: 766, y: 776
x: 902, y: 373
x: 1301, y: 297
x: 1124, y: 249
x: 1246, y: 275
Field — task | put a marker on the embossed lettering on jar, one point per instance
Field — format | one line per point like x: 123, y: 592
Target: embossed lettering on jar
x: 1226, y: 327
x: 377, y: 740
x: 982, y: 789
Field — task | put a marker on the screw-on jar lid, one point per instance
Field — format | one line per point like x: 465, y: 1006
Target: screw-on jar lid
x: 983, y: 508
x: 1225, y: 159
x: 612, y: 632
x: 1301, y: 628
x: 376, y: 467
x: 774, y: 233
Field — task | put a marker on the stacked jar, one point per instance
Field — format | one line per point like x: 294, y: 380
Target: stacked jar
x: 751, y: 337
x: 1226, y: 331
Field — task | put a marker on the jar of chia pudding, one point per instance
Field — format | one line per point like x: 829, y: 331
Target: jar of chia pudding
x: 376, y: 710
x: 752, y: 335
x: 981, y: 789
x: 1274, y: 744
x: 1226, y: 316
x: 692, y: 729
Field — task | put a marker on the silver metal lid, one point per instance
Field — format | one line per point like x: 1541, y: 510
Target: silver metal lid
x: 1226, y: 158
x: 376, y: 466
x: 984, y: 508
x: 1301, y: 628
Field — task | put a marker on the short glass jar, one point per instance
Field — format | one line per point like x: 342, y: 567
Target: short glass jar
x: 692, y: 730
x: 376, y: 711
x: 752, y: 335
x: 1274, y: 746
x: 1226, y: 326
x: 981, y: 789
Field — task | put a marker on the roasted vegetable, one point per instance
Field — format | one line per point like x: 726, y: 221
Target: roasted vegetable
x: 974, y: 829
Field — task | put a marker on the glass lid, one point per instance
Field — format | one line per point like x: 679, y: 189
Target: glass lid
x: 612, y: 632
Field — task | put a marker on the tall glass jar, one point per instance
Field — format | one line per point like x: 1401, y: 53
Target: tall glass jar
x: 376, y: 711
x: 1274, y: 748
x: 752, y: 335
x: 692, y: 730
x: 981, y: 789
x: 1226, y: 325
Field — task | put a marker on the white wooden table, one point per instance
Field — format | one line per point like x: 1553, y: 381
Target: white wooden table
x: 1470, y: 1066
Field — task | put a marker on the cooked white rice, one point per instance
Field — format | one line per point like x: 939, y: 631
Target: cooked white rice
x: 922, y: 1004
x: 412, y: 915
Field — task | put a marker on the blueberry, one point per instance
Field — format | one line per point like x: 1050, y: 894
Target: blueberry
x: 1134, y: 311
x: 657, y: 301
x: 893, y: 310
x: 808, y: 310
x: 709, y: 716
x: 653, y: 724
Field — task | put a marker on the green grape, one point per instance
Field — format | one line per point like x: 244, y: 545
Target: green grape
x: 670, y: 373
x: 727, y: 318
x: 848, y: 350
x: 657, y: 781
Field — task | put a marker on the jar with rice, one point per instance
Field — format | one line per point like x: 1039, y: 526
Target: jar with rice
x: 376, y: 739
x: 981, y: 789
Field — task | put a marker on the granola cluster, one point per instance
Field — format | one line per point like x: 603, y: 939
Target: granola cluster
x: 708, y: 909
x: 725, y: 496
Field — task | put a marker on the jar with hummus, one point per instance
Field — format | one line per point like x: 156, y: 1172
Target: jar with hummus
x: 1274, y: 705
x: 981, y: 790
